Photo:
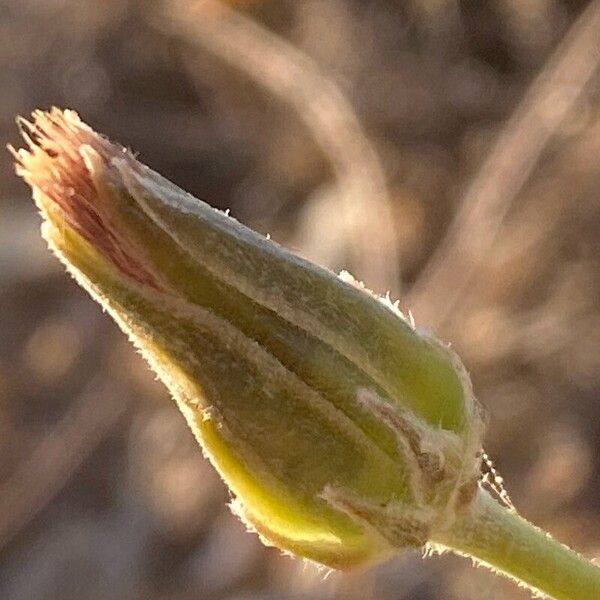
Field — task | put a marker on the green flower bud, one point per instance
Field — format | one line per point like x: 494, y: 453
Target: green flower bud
x: 344, y: 433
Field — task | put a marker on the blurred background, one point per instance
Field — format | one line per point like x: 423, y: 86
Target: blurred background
x: 444, y: 150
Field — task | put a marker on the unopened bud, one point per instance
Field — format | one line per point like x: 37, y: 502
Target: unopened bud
x: 344, y: 433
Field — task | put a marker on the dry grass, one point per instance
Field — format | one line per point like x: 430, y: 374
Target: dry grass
x: 420, y: 93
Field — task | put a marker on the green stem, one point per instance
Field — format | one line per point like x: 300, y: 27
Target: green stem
x: 502, y: 540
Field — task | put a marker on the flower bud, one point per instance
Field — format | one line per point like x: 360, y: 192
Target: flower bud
x: 344, y: 433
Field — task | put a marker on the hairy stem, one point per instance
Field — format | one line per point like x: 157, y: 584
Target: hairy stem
x: 502, y: 540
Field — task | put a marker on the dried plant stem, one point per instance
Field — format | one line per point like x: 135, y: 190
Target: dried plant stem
x: 294, y: 78
x: 58, y: 456
x: 471, y: 234
x: 502, y: 540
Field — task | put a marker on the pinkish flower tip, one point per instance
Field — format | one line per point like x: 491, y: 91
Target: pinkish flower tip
x: 57, y: 165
